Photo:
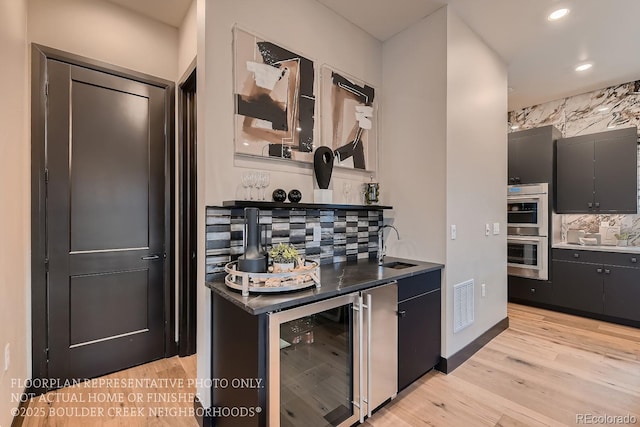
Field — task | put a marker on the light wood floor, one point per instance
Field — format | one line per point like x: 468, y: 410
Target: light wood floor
x: 543, y: 371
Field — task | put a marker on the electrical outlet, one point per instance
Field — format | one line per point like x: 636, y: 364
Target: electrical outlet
x: 483, y: 290
x: 496, y: 228
x: 7, y: 357
x: 454, y: 232
x: 487, y: 229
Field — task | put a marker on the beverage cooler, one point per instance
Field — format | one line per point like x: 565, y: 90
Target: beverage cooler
x: 331, y: 363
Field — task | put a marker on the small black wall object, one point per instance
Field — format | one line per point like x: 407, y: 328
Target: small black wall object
x: 279, y: 195
x: 295, y: 196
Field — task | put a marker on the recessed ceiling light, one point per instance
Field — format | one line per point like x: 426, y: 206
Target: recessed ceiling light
x: 584, y: 67
x: 558, y: 14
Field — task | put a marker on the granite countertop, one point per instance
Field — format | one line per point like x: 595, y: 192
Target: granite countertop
x: 336, y: 279
x: 599, y: 248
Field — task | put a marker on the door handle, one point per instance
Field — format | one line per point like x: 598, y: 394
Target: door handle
x: 150, y: 257
x: 402, y: 313
x: 368, y: 399
x: 360, y: 370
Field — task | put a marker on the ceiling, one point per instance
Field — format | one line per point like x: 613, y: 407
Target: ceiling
x: 540, y: 55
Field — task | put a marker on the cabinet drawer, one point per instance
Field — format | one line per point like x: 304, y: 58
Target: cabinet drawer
x: 577, y: 255
x: 621, y: 259
x: 415, y: 285
x: 534, y: 291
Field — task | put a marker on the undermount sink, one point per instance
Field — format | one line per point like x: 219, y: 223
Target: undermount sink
x: 398, y: 265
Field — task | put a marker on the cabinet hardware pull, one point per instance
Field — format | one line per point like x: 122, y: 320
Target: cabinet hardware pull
x: 634, y: 259
x: 607, y: 271
x: 150, y: 257
x: 533, y: 290
x: 576, y: 255
x: 597, y: 204
x: 599, y: 270
x: 402, y: 313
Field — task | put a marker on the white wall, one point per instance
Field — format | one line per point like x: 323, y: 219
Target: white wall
x: 476, y: 172
x: 304, y: 26
x: 413, y: 142
x: 187, y: 40
x: 107, y: 32
x: 14, y: 201
x: 444, y: 160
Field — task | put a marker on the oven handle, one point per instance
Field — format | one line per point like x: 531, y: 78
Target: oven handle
x: 525, y: 239
x: 532, y: 197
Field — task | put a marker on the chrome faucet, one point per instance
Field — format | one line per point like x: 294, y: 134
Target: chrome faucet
x: 381, y: 246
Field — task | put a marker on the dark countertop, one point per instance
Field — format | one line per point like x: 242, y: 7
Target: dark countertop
x: 336, y: 279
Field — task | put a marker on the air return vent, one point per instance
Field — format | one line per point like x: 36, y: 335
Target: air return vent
x: 462, y: 305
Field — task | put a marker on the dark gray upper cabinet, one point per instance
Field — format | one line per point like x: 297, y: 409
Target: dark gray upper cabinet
x: 598, y: 173
x: 531, y: 154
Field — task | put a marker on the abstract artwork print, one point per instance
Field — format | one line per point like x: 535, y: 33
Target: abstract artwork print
x: 348, y: 120
x: 274, y: 92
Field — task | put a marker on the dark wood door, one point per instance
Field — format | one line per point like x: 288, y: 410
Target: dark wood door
x: 105, y: 222
x: 578, y: 286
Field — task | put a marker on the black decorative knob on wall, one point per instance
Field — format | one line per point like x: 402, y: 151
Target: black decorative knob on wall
x: 323, y: 166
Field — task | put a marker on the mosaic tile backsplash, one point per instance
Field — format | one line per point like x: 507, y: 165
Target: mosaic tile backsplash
x: 344, y: 235
x: 592, y: 112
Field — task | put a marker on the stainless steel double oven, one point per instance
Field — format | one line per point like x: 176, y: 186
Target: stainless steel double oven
x: 528, y: 231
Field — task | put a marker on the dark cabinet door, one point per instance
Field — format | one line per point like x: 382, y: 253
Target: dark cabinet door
x: 598, y: 173
x: 530, y: 155
x: 578, y: 286
x: 575, y: 175
x: 418, y: 336
x: 616, y: 174
x: 622, y: 292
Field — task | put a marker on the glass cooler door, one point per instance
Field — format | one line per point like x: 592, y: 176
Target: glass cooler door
x: 313, y: 366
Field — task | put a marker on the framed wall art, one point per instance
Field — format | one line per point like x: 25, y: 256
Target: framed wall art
x: 349, y: 120
x: 275, y: 102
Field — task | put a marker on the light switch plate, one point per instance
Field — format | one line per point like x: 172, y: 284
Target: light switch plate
x: 496, y: 228
x: 487, y: 229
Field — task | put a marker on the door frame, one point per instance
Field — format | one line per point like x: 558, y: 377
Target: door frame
x: 188, y: 209
x: 39, y: 263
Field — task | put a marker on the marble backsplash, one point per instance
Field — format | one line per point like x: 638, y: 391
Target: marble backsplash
x: 591, y: 224
x: 601, y: 110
